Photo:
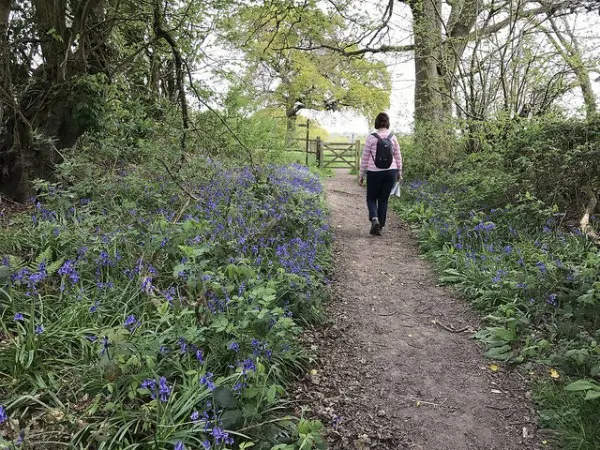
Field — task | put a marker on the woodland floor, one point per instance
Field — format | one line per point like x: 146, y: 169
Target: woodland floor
x: 388, y: 376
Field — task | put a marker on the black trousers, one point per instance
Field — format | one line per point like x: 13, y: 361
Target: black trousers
x: 379, y: 188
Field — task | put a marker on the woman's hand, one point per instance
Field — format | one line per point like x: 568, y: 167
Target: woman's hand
x: 361, y: 181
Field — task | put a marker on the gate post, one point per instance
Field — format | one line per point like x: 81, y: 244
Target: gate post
x: 319, y: 152
x: 357, y: 156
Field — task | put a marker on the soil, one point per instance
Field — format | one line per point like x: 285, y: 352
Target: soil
x: 397, y: 367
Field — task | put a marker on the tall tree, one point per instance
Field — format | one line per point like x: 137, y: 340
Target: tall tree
x: 271, y: 35
x: 59, y: 56
x: 565, y: 42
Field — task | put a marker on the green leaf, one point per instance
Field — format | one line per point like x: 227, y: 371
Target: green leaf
x: 501, y: 353
x: 5, y: 274
x: 592, y: 395
x: 582, y: 385
x: 220, y: 323
x: 272, y: 393
x: 232, y: 419
x: 224, y: 398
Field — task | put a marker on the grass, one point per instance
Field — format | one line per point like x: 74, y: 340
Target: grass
x: 576, y: 422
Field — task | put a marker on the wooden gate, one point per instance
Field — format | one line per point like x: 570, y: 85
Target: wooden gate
x: 338, y: 155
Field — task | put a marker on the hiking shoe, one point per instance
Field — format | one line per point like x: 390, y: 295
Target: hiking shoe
x: 375, y: 227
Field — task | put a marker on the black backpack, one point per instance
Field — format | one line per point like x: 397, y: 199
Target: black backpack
x: 385, y: 152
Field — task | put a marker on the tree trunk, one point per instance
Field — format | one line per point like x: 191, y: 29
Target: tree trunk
x: 571, y: 53
x: 291, y: 114
x: 50, y: 105
x: 433, y: 108
x: 5, y: 72
x: 290, y: 131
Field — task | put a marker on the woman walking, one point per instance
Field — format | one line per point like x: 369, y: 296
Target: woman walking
x: 382, y: 162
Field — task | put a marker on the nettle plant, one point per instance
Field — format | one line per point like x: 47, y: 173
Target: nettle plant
x: 134, y: 315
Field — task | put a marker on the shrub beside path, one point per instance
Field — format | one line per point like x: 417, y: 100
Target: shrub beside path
x: 389, y: 377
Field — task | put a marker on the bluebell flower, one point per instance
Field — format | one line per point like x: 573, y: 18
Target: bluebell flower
x: 131, y: 323
x: 194, y: 417
x: 179, y: 446
x: 183, y: 345
x: 206, y: 444
x: 149, y: 384
x: 105, y: 345
x: 206, y: 380
x: 234, y: 346
x: 19, y: 317
x: 200, y: 355
x: 3, y: 415
x: 163, y: 389
x: 221, y: 436
x: 248, y: 365
x: 21, y: 438
x: 68, y: 269
x: 39, y: 329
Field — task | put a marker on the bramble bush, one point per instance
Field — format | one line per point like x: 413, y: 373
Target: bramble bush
x: 134, y: 315
x: 497, y: 226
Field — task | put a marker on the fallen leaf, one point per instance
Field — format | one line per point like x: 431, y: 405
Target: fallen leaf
x: 493, y: 367
x: 554, y: 374
x: 418, y: 404
x: 313, y: 372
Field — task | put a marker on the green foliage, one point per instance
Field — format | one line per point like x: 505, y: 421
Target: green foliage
x: 282, y: 74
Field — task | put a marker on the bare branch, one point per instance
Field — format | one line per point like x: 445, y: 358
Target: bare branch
x: 362, y: 51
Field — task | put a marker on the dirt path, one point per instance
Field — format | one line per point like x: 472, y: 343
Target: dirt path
x: 387, y: 377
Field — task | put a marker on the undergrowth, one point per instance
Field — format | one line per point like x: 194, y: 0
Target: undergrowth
x: 142, y: 313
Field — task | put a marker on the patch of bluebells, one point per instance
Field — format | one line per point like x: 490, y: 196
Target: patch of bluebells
x: 276, y: 225
x: 512, y: 249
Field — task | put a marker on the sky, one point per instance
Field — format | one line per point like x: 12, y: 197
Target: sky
x: 401, y: 105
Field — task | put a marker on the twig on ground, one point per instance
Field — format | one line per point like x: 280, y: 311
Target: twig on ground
x: 387, y: 314
x: 450, y: 328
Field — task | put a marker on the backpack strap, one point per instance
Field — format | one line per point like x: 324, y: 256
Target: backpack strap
x: 379, y: 138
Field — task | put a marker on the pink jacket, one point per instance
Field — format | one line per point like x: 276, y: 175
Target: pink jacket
x: 367, y: 162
